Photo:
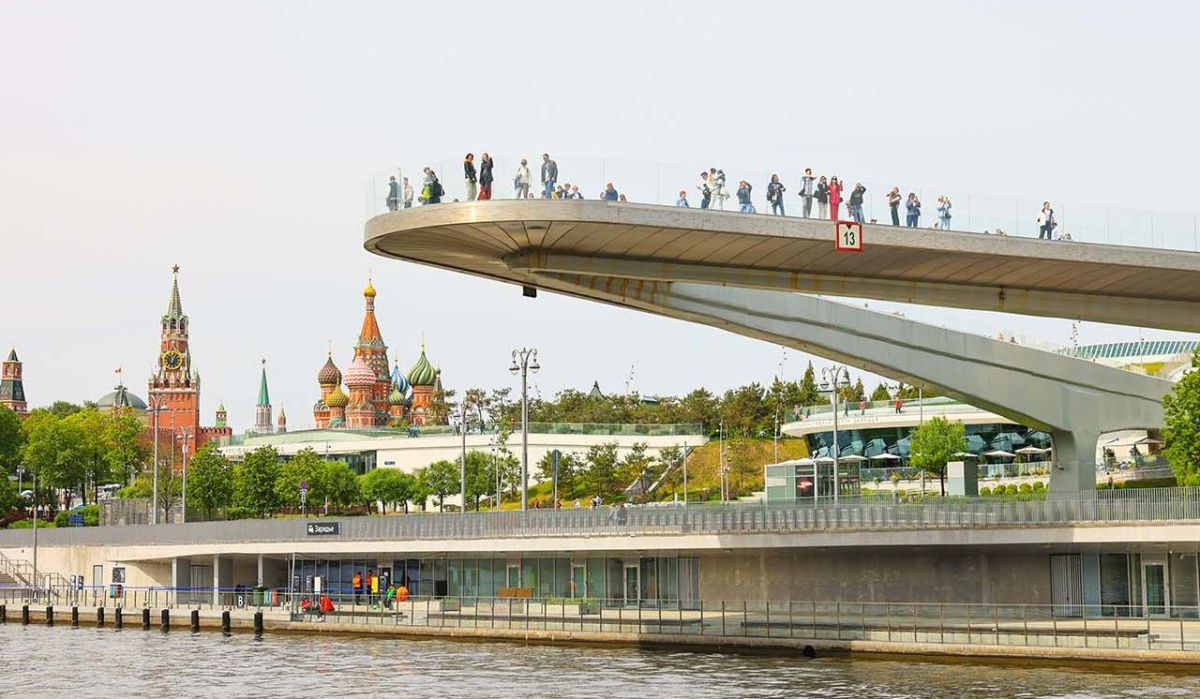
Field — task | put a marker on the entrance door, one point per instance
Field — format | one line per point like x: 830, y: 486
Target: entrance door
x: 97, y: 582
x: 513, y: 578
x: 632, y: 584
x: 1156, y: 596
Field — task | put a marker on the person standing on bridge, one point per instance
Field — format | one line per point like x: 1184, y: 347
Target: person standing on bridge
x: 705, y: 188
x: 610, y: 192
x: 944, y: 212
x: 856, y: 202
x: 521, y: 181
x: 682, y: 201
x: 743, y: 197
x: 913, y: 205
x: 894, y: 205
x: 716, y: 180
x: 1046, y: 222
x: 408, y: 194
x: 469, y: 175
x: 807, y: 187
x: 549, y: 176
x: 822, y: 196
x: 835, y: 196
x: 775, y: 190
x: 485, y: 177
x: 393, y: 197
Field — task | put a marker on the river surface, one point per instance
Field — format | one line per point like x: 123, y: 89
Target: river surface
x: 88, y: 662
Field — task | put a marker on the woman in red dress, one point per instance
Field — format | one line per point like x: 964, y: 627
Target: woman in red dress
x: 835, y: 196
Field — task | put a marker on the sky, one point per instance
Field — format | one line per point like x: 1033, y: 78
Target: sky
x: 239, y: 140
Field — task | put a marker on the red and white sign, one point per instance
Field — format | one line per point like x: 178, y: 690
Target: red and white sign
x: 848, y: 236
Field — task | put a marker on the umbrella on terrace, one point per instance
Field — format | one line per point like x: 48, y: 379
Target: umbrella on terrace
x: 966, y: 455
x: 885, y: 457
x: 999, y: 454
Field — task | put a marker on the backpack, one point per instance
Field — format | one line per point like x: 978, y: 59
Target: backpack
x: 441, y: 192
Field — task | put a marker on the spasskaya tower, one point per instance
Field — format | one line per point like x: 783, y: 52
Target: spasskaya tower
x: 175, y: 384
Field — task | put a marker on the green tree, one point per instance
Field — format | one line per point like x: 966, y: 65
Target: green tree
x: 340, y: 484
x: 440, y: 480
x: 62, y: 408
x: 91, y: 427
x: 388, y: 486
x: 128, y: 449
x: 636, y: 468
x: 305, y: 467
x: 934, y: 443
x: 600, y: 477
x: 880, y: 394
x: 254, y: 481
x: 569, y: 466
x: 12, y: 438
x: 9, y: 497
x: 481, y: 479
x: 52, y: 451
x: 1181, y: 407
x: 702, y: 407
x: 809, y: 393
x: 210, y: 480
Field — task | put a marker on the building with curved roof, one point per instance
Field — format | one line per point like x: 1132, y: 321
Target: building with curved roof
x: 1166, y: 359
x: 120, y: 397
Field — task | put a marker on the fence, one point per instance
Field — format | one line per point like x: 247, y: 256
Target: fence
x: 1101, y: 506
x: 1023, y: 626
x: 661, y: 183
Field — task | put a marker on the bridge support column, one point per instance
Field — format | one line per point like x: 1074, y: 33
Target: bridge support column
x: 1074, y: 461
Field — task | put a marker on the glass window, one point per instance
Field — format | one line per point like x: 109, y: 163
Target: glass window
x: 1114, y: 584
x: 486, y: 588
x: 455, y: 588
x: 562, y: 577
x: 596, y: 589
x: 529, y: 573
x: 1183, y: 585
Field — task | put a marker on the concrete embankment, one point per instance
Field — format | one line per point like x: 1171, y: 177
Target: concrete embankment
x: 274, y: 622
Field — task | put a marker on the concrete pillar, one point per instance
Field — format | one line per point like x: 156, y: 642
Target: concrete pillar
x: 1074, y: 458
x: 216, y: 570
x: 260, y: 570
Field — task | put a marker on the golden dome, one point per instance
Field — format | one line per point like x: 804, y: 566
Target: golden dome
x: 369, y: 292
x: 337, y: 398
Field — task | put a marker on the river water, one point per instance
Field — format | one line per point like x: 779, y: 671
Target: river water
x: 87, y: 662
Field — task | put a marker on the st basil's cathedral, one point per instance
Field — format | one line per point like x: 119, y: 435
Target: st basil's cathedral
x: 375, y: 395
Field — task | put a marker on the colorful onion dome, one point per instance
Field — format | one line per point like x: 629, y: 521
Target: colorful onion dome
x: 369, y: 292
x: 337, y: 398
x: 395, y: 397
x: 359, y: 375
x: 399, y: 381
x: 422, y: 373
x: 329, y: 375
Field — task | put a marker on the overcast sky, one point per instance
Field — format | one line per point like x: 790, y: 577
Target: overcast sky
x: 237, y: 139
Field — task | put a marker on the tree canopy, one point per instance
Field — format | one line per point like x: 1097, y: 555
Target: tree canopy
x: 934, y: 444
x: 1181, y: 408
x: 210, y: 480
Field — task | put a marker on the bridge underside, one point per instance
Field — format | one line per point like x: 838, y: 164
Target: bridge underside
x: 1072, y: 399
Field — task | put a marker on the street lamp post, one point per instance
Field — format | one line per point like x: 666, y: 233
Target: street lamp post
x: 831, y: 382
x: 20, y: 478
x: 185, y: 436
x: 685, y: 479
x: 36, y: 586
x: 462, y: 459
x: 524, y: 361
x: 155, y: 407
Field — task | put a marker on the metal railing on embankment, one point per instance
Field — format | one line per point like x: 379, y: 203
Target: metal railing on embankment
x: 1147, y: 505
x: 1113, y: 627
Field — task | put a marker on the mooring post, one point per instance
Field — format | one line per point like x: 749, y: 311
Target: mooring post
x: 3, y: 613
x: 258, y: 623
x: 166, y: 620
x: 145, y: 618
x: 99, y: 617
x: 49, y: 616
x: 25, y: 615
x: 225, y: 621
x: 118, y: 618
x: 74, y: 617
x: 195, y: 620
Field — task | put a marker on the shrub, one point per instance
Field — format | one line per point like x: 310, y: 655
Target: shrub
x: 985, y: 492
x: 1038, y: 486
x: 28, y: 524
x: 1025, y: 488
x: 1011, y: 489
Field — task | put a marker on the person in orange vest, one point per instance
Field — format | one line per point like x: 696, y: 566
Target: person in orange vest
x: 374, y: 582
x: 402, y: 593
x: 357, y: 583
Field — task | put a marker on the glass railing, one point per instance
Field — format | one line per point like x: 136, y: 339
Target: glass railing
x: 306, y: 432
x: 662, y: 184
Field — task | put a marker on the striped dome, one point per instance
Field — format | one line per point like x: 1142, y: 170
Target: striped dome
x: 329, y: 375
x: 422, y: 373
x: 337, y: 398
x: 399, y: 382
x: 359, y: 375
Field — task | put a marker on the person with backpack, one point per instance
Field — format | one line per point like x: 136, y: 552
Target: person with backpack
x: 1046, y: 222
x: 485, y: 177
x: 944, y: 212
x: 469, y: 175
x: 393, y: 196
x: 894, y: 205
x: 431, y: 189
x: 807, y: 189
x: 775, y: 190
x: 549, y: 176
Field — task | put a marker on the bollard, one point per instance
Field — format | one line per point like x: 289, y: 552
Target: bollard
x: 3, y: 613
x: 258, y: 624
x: 145, y: 619
x: 225, y: 621
x: 118, y: 619
x: 809, y: 652
x: 49, y: 616
x: 195, y: 620
x: 25, y: 615
x: 99, y: 617
x: 166, y: 620
x: 74, y: 617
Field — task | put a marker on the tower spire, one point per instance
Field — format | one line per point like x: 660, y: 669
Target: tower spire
x: 175, y: 306
x: 264, y: 397
x: 262, y: 411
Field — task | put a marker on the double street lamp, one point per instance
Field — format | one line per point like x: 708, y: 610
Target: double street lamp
x: 156, y: 407
x: 834, y: 378
x: 524, y: 361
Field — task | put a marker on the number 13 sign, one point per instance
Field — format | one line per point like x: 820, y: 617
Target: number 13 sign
x: 848, y: 236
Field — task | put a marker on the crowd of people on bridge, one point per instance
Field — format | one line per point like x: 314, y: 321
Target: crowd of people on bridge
x: 829, y: 194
